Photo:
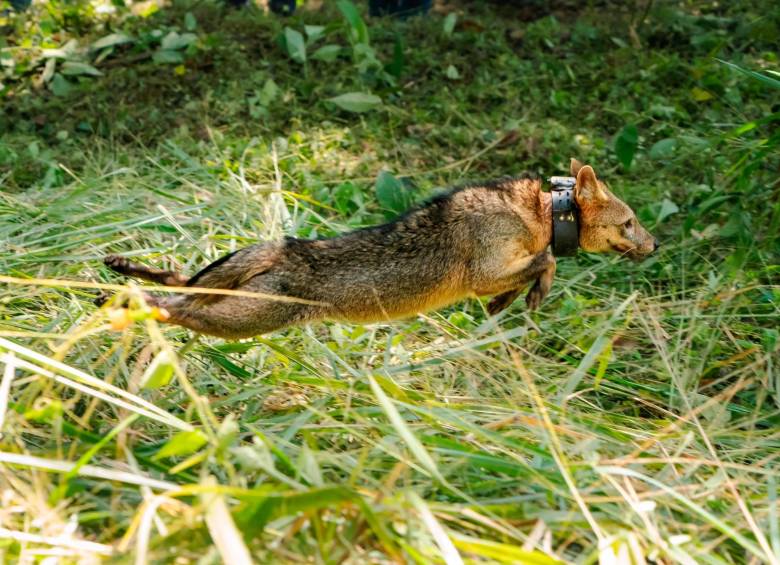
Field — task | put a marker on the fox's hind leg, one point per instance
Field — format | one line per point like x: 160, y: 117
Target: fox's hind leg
x: 232, y: 317
x: 124, y: 266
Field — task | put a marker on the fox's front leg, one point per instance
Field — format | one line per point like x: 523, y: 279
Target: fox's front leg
x: 542, y: 271
x: 543, y: 284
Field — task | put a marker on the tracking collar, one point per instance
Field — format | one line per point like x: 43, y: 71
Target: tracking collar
x: 565, y: 226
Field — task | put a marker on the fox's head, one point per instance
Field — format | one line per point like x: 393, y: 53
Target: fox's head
x: 606, y: 222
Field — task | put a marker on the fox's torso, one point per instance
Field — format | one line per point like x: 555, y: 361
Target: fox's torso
x: 428, y: 258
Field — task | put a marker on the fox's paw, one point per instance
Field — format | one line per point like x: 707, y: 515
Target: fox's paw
x: 116, y: 263
x: 497, y: 304
x: 535, y: 297
x: 502, y: 302
x: 160, y: 314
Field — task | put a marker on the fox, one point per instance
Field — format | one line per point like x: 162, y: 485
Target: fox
x: 483, y: 239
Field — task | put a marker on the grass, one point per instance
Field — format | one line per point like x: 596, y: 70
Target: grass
x: 634, y: 418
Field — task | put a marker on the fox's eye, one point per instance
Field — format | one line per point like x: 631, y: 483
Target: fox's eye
x: 629, y: 224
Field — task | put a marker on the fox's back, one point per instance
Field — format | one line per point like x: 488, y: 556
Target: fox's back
x: 385, y: 272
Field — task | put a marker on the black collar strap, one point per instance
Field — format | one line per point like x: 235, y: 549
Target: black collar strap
x: 565, y: 228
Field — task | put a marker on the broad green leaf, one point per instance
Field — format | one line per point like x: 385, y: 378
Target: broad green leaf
x: 358, y: 32
x: 174, y: 41
x: 190, y: 23
x: 314, y: 32
x: 667, y: 209
x: 182, y: 443
x: 452, y: 73
x: 74, y: 68
x: 356, y: 101
x: 166, y: 56
x: 449, y: 23
x: 391, y: 193
x: 159, y: 372
x: 663, y: 149
x: 626, y: 144
x: 700, y: 95
x: 296, y: 48
x: 60, y: 86
x: 347, y: 197
x: 327, y: 53
x: 269, y: 93
x: 111, y: 40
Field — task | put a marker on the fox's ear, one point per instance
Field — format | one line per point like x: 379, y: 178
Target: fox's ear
x: 587, y: 187
x: 575, y: 167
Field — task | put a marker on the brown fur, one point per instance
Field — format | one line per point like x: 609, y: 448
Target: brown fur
x: 485, y: 239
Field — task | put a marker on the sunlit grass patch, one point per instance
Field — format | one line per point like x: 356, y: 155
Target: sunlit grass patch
x: 320, y: 438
